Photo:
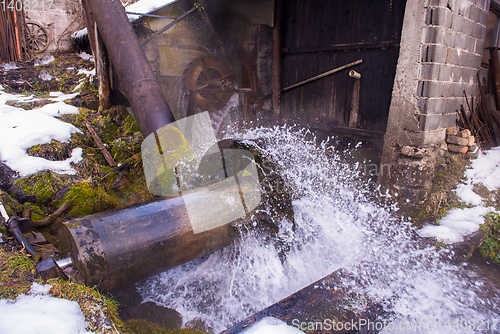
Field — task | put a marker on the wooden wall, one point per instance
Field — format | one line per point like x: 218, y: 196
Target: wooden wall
x: 320, y: 35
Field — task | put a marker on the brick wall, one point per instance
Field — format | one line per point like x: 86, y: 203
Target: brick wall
x: 452, y: 43
x: 441, y: 51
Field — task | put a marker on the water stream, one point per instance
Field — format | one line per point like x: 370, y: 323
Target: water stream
x: 337, y: 225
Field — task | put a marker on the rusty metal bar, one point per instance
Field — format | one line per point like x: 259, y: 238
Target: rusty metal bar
x: 129, y: 61
x: 357, y: 62
x: 168, y: 26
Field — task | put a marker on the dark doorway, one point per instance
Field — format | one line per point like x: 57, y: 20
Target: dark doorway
x: 321, y: 35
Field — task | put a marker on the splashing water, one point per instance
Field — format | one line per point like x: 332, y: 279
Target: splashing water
x: 337, y: 225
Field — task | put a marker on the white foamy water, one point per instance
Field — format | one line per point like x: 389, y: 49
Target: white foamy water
x: 337, y: 225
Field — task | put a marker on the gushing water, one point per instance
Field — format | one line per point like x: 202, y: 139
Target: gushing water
x: 337, y: 225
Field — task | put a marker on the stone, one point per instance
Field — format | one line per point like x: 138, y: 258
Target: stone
x: 452, y: 131
x: 36, y: 238
x: 465, y: 133
x: 412, y: 173
x: 472, y: 148
x: 166, y: 318
x: 472, y: 155
x: 49, y: 269
x: 457, y: 140
x: 458, y: 148
x: 413, y: 152
x: 89, y: 101
x: 471, y: 140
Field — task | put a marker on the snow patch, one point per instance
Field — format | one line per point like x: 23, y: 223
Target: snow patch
x: 59, y: 97
x: 44, y: 61
x: 45, y: 76
x: 457, y: 224
x: 85, y: 56
x: 465, y: 193
x: 22, y: 129
x: 486, y: 169
x: 86, y: 72
x: 80, y: 33
x: 41, y: 313
x: 10, y: 66
x: 461, y: 222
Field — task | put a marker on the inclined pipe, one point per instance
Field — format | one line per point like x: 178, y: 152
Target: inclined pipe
x: 135, y: 74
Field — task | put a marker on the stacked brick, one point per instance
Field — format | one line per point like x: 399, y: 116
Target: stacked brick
x: 452, y: 44
x: 462, y: 142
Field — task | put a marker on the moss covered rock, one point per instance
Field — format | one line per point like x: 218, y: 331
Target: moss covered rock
x: 85, y: 199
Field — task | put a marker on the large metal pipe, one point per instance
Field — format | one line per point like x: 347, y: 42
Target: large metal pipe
x: 129, y: 61
x: 117, y: 248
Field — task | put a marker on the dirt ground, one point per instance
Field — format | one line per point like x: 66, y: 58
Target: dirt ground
x: 29, y: 78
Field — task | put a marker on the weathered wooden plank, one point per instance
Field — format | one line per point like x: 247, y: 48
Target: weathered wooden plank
x: 344, y: 47
x: 323, y: 34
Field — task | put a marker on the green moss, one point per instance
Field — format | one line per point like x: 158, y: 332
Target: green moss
x: 44, y: 185
x: 139, y: 326
x: 440, y: 197
x: 17, y: 272
x: 36, y: 212
x: 129, y: 126
x: 12, y: 207
x: 491, y: 245
x: 85, y: 199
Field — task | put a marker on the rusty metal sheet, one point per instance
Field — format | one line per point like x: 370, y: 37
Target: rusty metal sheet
x: 323, y: 305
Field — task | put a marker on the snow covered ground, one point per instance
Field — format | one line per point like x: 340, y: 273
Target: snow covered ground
x: 38, y: 312
x: 22, y: 129
x: 458, y: 223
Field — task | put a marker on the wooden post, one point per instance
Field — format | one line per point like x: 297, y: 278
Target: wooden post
x: 90, y: 27
x: 354, y: 116
x: 102, y: 66
x: 276, y: 59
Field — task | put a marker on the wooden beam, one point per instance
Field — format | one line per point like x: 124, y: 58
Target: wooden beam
x: 354, y: 114
x: 339, y: 129
x: 335, y: 70
x: 90, y: 27
x: 276, y: 57
x: 102, y: 65
x: 344, y: 47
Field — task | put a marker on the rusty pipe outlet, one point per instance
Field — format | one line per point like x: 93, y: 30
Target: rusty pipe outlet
x: 129, y: 61
x: 354, y: 74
